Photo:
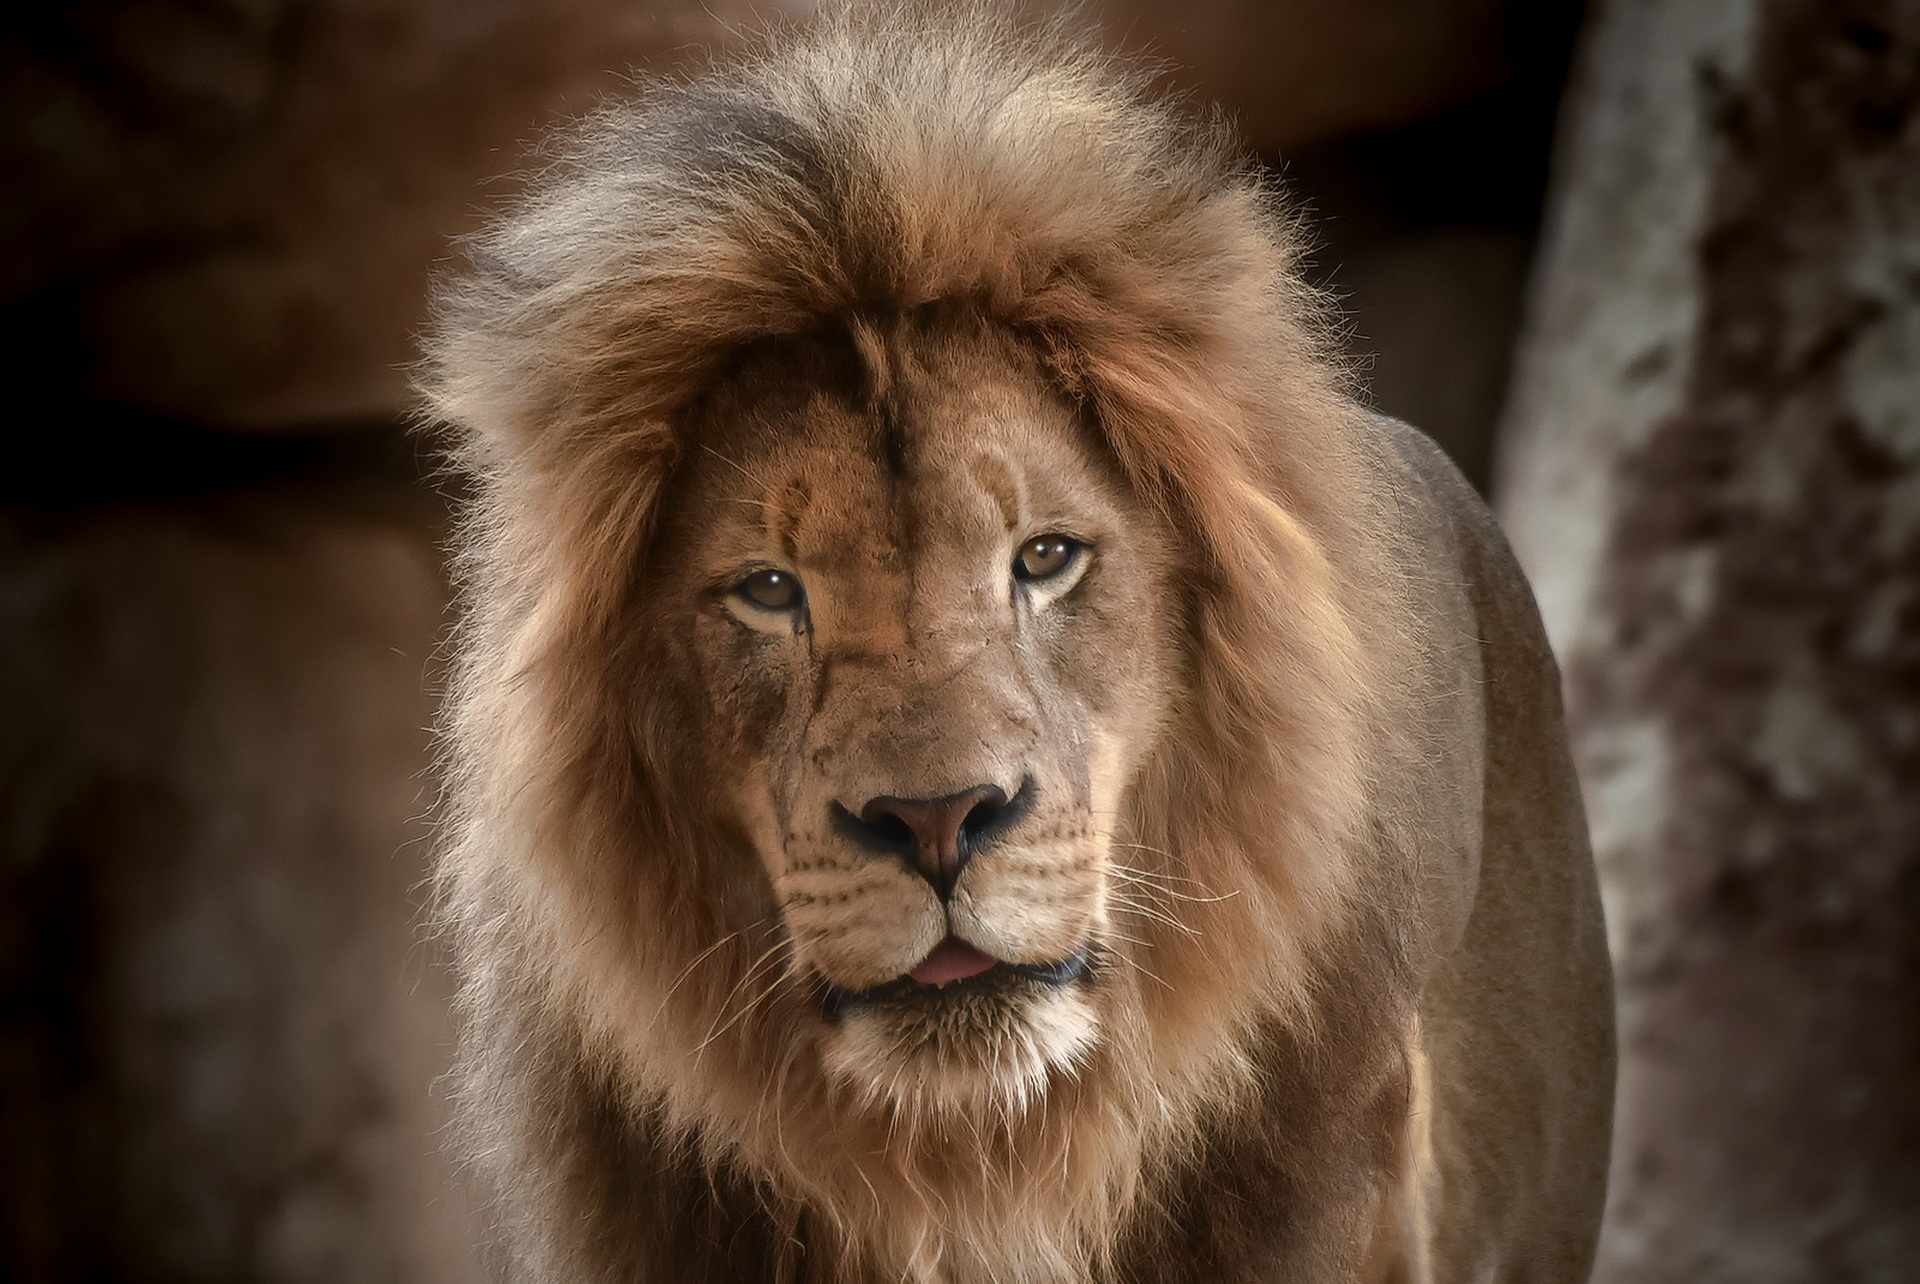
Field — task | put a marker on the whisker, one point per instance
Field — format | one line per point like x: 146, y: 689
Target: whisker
x: 780, y: 977
x: 736, y: 466
x: 751, y: 974
x: 1158, y: 879
x: 1135, y: 963
x: 1128, y: 902
x: 1145, y: 915
x: 698, y: 959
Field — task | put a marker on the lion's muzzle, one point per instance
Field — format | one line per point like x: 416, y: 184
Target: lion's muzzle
x: 935, y: 837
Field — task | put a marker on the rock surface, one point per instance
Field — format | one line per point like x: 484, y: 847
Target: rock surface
x: 219, y: 1027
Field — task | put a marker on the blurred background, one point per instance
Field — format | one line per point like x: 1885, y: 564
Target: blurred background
x: 1649, y: 269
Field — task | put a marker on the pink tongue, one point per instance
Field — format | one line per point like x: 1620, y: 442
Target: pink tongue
x: 952, y: 960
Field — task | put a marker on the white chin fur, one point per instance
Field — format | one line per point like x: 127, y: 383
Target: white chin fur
x: 930, y: 1064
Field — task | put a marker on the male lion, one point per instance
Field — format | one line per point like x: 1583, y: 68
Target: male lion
x: 971, y: 757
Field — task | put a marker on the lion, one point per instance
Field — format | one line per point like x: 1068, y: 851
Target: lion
x: 970, y: 754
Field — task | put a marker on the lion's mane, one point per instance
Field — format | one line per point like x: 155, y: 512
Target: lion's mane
x: 880, y: 162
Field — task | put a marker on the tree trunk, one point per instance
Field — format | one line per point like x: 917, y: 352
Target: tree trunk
x: 1712, y: 472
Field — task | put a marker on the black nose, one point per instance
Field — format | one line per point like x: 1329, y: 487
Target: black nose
x: 936, y: 836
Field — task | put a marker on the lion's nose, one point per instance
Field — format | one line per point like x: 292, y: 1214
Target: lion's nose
x: 936, y: 836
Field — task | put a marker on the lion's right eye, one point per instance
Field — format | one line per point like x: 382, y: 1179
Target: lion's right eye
x: 770, y: 591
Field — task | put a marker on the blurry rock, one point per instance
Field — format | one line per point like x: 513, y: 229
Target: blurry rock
x: 219, y: 1031
x: 1300, y: 72
x: 1440, y: 308
x: 226, y: 213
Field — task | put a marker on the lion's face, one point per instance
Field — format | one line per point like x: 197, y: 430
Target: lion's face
x: 926, y: 631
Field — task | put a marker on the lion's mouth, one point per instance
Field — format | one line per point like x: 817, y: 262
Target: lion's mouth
x: 954, y: 961
x: 951, y: 960
x: 960, y: 968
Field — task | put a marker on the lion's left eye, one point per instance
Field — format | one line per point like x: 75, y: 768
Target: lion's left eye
x: 1046, y: 556
x: 770, y: 590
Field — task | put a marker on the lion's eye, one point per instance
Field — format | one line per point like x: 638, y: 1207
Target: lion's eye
x: 770, y: 591
x: 1045, y: 556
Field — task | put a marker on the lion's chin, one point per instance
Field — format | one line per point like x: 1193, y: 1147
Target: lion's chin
x: 987, y: 1044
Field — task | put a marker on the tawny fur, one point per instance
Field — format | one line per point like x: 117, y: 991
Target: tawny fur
x: 1312, y: 815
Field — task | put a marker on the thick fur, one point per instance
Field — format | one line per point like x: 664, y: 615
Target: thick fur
x: 1303, y: 791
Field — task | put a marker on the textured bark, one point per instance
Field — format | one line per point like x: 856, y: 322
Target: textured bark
x: 1713, y: 474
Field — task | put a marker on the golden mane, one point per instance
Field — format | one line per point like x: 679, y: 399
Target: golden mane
x: 887, y: 160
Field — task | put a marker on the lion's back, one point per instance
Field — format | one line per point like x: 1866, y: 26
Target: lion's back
x: 1517, y: 1011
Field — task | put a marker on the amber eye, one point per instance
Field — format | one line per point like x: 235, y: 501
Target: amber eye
x: 1045, y: 556
x: 770, y: 591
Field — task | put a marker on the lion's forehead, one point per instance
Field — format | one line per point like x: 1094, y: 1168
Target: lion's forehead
x: 891, y: 509
x: 902, y: 509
